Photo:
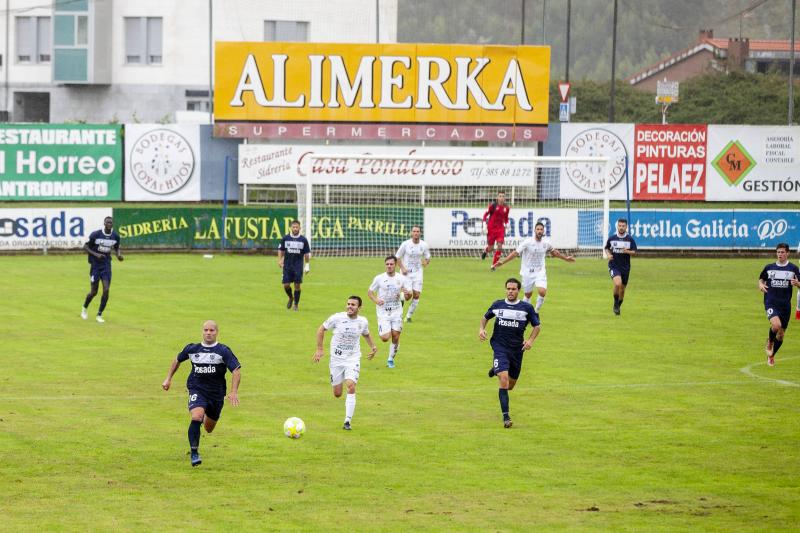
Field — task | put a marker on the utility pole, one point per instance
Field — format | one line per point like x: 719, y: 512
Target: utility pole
x: 569, y: 14
x: 791, y: 67
x: 613, y: 65
x: 522, y: 23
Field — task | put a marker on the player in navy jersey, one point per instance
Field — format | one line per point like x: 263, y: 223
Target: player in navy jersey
x: 776, y: 281
x: 206, y: 383
x: 508, y: 340
x: 619, y: 249
x: 99, y: 247
x: 293, y: 250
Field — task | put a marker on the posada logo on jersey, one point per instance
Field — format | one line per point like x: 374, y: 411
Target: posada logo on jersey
x: 670, y: 162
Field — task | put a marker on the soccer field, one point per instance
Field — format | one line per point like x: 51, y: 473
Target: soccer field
x: 666, y: 417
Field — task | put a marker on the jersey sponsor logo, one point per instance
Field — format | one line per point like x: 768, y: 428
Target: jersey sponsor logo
x: 205, y: 370
x: 508, y: 323
x: 206, y: 358
x: 511, y: 314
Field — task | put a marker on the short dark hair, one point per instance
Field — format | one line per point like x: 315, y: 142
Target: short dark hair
x: 112, y: 218
x: 625, y: 220
x: 784, y: 246
x: 514, y: 280
x: 356, y: 298
x: 393, y: 258
x: 416, y: 226
x: 501, y: 192
x: 539, y: 223
x: 294, y: 221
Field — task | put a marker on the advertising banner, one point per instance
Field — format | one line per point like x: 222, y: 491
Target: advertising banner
x: 293, y: 164
x: 60, y: 162
x: 720, y: 229
x: 42, y: 228
x: 381, y: 91
x: 669, y: 162
x: 753, y: 163
x: 162, y: 162
x: 463, y: 228
x: 202, y: 227
x: 586, y: 180
x: 362, y: 228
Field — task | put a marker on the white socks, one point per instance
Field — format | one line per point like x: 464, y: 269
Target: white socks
x: 393, y: 350
x: 539, y: 303
x: 412, y: 307
x: 526, y: 299
x: 349, y: 407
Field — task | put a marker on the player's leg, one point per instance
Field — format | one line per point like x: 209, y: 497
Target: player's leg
x: 351, y: 378
x: 498, y: 250
x: 197, y: 411
x: 541, y: 288
x: 296, y: 294
x: 213, y: 412
x: 416, y: 290
x: 778, y: 324
x: 489, y: 243
x: 287, y: 287
x: 337, y: 378
x: 501, y: 366
x: 106, y: 279
x: 395, y: 346
x: 384, y: 328
x: 616, y: 278
x: 94, y: 283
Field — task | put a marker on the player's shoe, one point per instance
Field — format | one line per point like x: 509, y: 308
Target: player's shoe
x: 771, y: 360
x: 347, y: 425
x: 100, y: 319
x: 196, y: 461
x: 507, y: 423
x: 290, y: 303
x: 483, y: 256
x: 616, y: 310
x: 390, y: 363
x: 768, y: 348
x: 84, y: 313
x: 408, y: 319
x: 294, y: 308
x: 494, y: 267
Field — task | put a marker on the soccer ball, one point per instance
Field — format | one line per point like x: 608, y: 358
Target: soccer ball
x: 294, y: 428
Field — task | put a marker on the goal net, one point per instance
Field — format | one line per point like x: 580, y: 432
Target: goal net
x: 352, y: 203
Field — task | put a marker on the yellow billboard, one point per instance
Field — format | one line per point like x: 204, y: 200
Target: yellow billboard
x: 399, y: 86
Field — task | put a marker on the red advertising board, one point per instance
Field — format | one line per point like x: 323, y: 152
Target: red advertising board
x: 669, y: 162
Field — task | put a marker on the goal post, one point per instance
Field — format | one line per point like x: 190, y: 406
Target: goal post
x: 352, y: 203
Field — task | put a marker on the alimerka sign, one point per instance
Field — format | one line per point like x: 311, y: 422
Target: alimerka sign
x: 390, y: 91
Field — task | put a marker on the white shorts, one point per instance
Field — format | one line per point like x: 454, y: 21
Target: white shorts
x: 537, y: 278
x: 416, y: 279
x: 342, y: 372
x: 390, y: 321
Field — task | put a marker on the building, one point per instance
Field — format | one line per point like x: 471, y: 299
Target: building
x: 102, y: 61
x: 710, y: 54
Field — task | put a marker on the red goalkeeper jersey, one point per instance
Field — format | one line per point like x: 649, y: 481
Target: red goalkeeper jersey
x: 497, y: 216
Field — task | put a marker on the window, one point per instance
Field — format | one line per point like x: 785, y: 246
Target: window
x: 82, y: 34
x: 285, y: 30
x: 196, y: 100
x: 33, y: 39
x: 143, y: 40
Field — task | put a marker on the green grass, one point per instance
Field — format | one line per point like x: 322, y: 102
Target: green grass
x: 639, y: 422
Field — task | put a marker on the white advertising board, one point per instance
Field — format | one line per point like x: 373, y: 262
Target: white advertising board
x: 585, y: 180
x: 162, y: 162
x: 48, y: 227
x: 753, y: 163
x: 463, y: 227
x: 351, y: 165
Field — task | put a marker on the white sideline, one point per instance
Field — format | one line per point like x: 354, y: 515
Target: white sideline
x: 747, y: 371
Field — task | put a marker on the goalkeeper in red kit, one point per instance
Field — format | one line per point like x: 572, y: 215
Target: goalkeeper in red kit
x: 495, y: 220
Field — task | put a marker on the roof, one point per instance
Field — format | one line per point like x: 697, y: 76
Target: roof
x: 759, y: 45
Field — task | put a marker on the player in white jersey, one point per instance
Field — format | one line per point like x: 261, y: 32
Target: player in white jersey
x: 533, y: 251
x: 345, y: 365
x: 387, y: 291
x: 413, y: 256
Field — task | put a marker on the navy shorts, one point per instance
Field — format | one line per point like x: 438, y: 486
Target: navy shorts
x: 508, y: 362
x: 212, y: 406
x: 293, y: 275
x: 781, y: 312
x: 614, y: 272
x: 96, y: 273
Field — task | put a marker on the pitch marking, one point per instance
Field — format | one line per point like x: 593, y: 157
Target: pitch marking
x: 747, y: 371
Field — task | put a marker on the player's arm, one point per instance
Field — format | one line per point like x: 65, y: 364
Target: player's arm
x: 173, y: 367
x: 607, y: 251
x: 762, y: 281
x: 557, y: 254
x: 236, y: 378
x: 373, y: 348
x: 401, y: 266
x: 307, y: 260
x: 88, y: 250
x: 374, y: 297
x: 534, y: 333
x: 280, y: 258
x: 320, y: 341
x: 506, y: 259
x: 426, y: 258
x: 482, y: 330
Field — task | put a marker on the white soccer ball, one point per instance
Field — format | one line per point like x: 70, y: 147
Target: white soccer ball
x: 294, y: 428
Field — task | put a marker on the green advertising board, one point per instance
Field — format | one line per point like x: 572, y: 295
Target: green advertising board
x: 359, y: 227
x: 60, y: 162
x: 202, y: 227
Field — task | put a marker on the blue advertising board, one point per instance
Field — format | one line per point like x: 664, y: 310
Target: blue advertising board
x: 711, y: 229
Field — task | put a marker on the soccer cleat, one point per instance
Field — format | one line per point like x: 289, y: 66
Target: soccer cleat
x: 100, y: 319
x: 491, y: 372
x: 483, y: 256
x: 768, y: 348
x: 347, y: 425
x: 408, y: 319
x: 390, y: 363
x: 494, y: 267
x: 289, y: 303
x: 196, y: 461
x: 294, y: 308
x: 507, y: 423
x: 771, y: 360
x: 84, y: 314
x: 616, y: 309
